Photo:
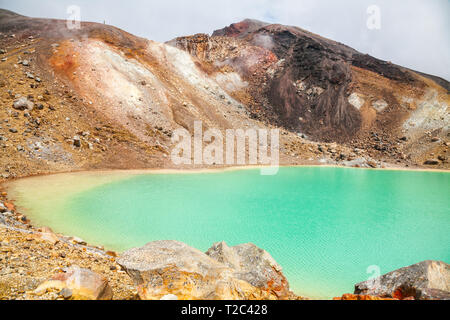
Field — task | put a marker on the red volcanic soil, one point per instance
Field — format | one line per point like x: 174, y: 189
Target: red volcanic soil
x: 240, y: 29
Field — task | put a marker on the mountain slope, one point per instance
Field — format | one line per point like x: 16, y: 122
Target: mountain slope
x: 328, y: 91
x: 103, y: 98
x: 121, y: 95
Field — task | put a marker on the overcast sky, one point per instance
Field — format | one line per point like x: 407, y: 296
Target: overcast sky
x: 413, y: 33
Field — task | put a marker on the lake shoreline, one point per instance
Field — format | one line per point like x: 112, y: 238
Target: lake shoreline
x: 120, y: 174
x: 213, y: 170
x: 102, y: 176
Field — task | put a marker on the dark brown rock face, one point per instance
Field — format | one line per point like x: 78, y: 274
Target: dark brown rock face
x: 323, y: 90
x: 383, y: 68
x: 427, y: 280
x: 322, y: 73
x: 310, y: 88
x: 319, y: 96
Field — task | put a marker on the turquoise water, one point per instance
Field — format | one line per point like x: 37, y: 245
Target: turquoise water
x: 324, y: 226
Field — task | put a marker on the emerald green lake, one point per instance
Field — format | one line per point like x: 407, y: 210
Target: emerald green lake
x: 324, y: 226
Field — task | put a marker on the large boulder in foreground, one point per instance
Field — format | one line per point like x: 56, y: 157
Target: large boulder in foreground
x: 427, y: 280
x: 253, y: 265
x: 161, y: 268
x: 171, y: 268
x: 78, y: 284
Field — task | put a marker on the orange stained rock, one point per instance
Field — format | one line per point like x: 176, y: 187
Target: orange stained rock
x: 9, y: 206
x: 355, y: 297
x: 64, y: 60
x: 111, y: 253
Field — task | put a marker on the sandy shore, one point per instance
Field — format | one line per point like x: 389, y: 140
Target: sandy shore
x: 209, y: 170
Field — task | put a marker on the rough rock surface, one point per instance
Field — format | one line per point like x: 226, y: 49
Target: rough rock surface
x: 427, y: 280
x: 78, y: 284
x: 252, y: 264
x: 173, y: 268
x: 358, y: 297
x: 23, y: 104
